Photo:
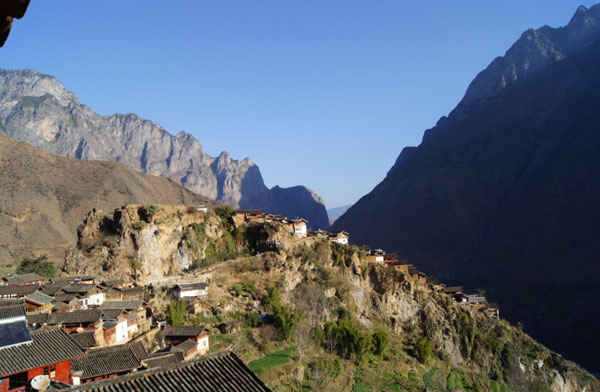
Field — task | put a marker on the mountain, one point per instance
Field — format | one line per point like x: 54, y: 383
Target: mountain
x: 37, y: 109
x: 335, y: 213
x: 44, y: 198
x: 503, y: 193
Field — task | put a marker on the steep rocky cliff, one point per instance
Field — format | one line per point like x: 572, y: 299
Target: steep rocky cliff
x: 335, y: 304
x: 502, y: 194
x: 37, y: 109
x: 43, y: 198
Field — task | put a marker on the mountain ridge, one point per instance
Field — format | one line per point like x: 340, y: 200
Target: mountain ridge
x: 500, y: 194
x: 37, y: 109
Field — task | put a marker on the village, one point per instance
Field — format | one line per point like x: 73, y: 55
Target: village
x: 75, y: 330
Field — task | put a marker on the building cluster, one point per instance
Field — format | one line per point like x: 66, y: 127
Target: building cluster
x: 74, y: 333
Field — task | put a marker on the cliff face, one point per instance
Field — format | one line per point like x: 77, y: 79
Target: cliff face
x: 37, y: 109
x: 503, y: 193
x: 44, y: 198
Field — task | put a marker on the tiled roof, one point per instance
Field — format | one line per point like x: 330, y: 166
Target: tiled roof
x: 58, y: 305
x: 111, y: 314
x: 188, y: 286
x: 11, y: 308
x: 78, y: 288
x: 39, y: 298
x: 138, y: 350
x: 13, y: 333
x: 38, y: 318
x: 163, y: 360
x: 127, y: 305
x: 85, y: 339
x: 184, y: 346
x: 52, y: 288
x: 17, y: 279
x: 219, y: 372
x: 65, y: 297
x: 183, y: 331
x: 75, y: 317
x: 50, y: 345
x: 104, y: 362
x: 18, y: 290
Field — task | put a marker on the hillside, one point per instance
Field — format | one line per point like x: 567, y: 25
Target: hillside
x: 44, y: 198
x: 37, y: 109
x: 315, y: 315
x: 502, y: 194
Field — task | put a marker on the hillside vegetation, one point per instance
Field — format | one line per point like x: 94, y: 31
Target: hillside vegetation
x: 310, y: 314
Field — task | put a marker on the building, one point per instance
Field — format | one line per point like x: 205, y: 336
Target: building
x: 17, y: 291
x: 340, y: 238
x: 79, y: 321
x: 299, y: 226
x: 25, y: 279
x: 190, y: 290
x: 176, y: 335
x: 227, y: 373
x: 375, y: 256
x: 88, y: 294
x: 100, y: 364
x: 138, y: 308
x: 38, y: 303
x: 49, y: 351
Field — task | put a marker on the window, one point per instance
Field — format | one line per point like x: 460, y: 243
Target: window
x: 52, y: 371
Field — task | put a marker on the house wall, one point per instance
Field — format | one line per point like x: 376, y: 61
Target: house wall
x: 95, y: 299
x: 62, y: 372
x: 300, y: 229
x: 202, y: 345
x: 121, y: 335
x: 192, y: 293
x: 343, y: 240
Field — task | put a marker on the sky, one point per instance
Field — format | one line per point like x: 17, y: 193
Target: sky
x: 319, y: 93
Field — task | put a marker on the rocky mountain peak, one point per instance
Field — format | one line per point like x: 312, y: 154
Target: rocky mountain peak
x: 37, y: 109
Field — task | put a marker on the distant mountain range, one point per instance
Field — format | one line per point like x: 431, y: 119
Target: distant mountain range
x: 44, y: 198
x: 335, y: 213
x: 503, y: 194
x: 37, y: 109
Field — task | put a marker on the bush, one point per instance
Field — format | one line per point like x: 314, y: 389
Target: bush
x: 176, y: 313
x: 225, y: 214
x: 147, y: 211
x: 39, y: 265
x: 381, y: 342
x: 423, y: 349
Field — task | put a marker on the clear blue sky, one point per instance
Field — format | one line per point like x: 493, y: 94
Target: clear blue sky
x: 319, y: 93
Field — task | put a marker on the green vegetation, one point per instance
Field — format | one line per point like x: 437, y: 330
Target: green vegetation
x: 423, y: 349
x: 176, y: 313
x: 39, y: 265
x: 242, y: 288
x: 225, y: 214
x: 271, y: 361
x: 147, y: 212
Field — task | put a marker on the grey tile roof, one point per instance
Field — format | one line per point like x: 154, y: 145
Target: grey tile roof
x: 13, y: 333
x: 192, y: 286
x: 17, y: 279
x: 85, y: 339
x: 111, y: 314
x: 11, y: 308
x: 184, y: 346
x: 65, y: 297
x: 52, y: 288
x: 104, y: 362
x: 127, y: 305
x: 39, y: 298
x: 161, y: 361
x: 38, y: 318
x: 79, y: 288
x: 18, y: 290
x: 75, y: 317
x: 183, y: 331
x: 50, y: 345
x: 219, y: 372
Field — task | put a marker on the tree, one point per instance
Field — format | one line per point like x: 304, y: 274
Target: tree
x: 381, y: 341
x: 147, y: 211
x: 39, y: 265
x: 176, y: 312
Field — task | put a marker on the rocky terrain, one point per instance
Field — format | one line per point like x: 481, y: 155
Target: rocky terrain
x: 44, y: 198
x: 37, y: 109
x: 502, y: 194
x: 324, y: 291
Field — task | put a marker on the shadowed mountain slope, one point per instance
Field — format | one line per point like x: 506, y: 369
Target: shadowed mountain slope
x: 503, y: 194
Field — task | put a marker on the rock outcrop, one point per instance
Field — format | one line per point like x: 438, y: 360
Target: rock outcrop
x: 44, y: 198
x: 502, y: 194
x: 37, y: 109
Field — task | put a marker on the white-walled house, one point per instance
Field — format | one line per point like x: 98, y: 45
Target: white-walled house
x: 299, y: 226
x: 190, y: 290
x: 340, y: 238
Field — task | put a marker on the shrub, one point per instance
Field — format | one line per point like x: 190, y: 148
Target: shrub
x: 147, y: 211
x: 423, y: 349
x: 176, y: 313
x: 39, y: 265
x: 381, y: 342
